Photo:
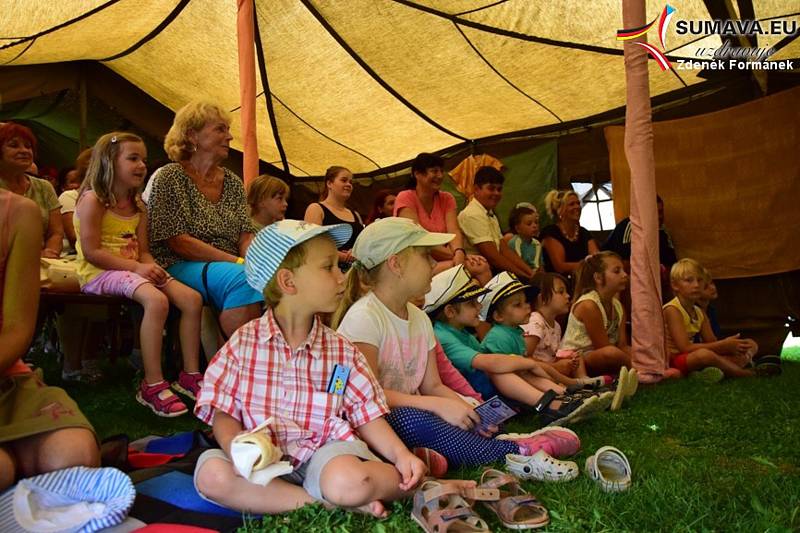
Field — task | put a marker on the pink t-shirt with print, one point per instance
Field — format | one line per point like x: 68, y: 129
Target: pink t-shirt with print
x: 549, y: 337
x: 433, y: 221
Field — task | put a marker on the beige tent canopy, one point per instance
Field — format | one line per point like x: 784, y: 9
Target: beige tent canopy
x: 370, y: 83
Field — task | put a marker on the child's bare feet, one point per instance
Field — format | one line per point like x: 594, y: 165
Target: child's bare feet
x: 373, y: 508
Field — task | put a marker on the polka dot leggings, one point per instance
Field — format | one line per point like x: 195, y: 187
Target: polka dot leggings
x: 418, y: 428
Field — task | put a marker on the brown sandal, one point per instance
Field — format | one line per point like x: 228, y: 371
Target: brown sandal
x: 516, y: 508
x: 439, y: 507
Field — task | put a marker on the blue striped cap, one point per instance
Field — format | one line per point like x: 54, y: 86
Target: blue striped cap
x: 272, y: 243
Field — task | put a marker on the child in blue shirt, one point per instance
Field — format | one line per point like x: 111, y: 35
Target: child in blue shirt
x: 504, y: 304
x: 523, y: 223
x: 453, y: 305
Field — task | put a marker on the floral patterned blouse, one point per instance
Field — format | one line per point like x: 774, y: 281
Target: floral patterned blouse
x: 176, y: 206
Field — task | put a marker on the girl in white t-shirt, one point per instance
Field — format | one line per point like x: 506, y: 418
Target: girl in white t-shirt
x: 393, y: 258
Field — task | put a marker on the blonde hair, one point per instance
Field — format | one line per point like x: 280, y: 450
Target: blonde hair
x: 555, y: 201
x: 192, y: 116
x: 587, y: 268
x: 295, y: 258
x: 358, y: 279
x: 265, y: 186
x: 330, y: 175
x: 100, y: 172
x: 684, y: 267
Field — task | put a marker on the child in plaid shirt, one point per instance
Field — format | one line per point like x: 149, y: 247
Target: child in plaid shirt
x: 281, y: 366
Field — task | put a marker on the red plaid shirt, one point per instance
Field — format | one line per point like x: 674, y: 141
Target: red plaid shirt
x: 257, y: 375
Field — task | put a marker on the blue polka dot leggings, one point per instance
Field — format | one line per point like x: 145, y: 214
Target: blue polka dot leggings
x: 418, y: 428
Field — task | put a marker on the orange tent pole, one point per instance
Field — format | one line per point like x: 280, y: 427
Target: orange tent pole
x: 245, y: 17
x: 647, y: 323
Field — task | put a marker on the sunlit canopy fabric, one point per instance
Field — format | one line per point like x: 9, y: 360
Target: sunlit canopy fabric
x: 364, y: 83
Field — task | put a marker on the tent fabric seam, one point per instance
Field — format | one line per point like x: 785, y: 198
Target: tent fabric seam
x: 290, y: 110
x: 372, y: 73
x: 509, y: 82
x: 481, y: 8
x: 155, y: 32
x: 262, y: 69
x: 64, y: 24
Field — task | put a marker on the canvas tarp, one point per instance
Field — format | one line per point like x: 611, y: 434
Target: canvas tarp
x: 365, y: 83
x: 730, y: 181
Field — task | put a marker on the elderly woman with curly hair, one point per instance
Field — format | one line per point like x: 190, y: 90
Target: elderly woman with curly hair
x: 199, y: 220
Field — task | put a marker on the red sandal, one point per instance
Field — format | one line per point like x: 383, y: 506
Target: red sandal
x: 160, y: 399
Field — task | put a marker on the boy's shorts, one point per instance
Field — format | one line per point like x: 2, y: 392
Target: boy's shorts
x: 309, y: 473
x: 681, y: 362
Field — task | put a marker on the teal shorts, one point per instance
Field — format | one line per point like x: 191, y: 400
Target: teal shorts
x: 225, y: 284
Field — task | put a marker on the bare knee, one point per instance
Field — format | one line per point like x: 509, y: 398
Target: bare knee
x: 65, y: 448
x: 190, y: 303
x: 214, y: 478
x: 8, y: 469
x: 347, y: 484
x: 157, y: 305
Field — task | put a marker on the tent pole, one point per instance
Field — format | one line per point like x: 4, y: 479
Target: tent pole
x: 247, y: 87
x: 82, y: 109
x: 646, y: 320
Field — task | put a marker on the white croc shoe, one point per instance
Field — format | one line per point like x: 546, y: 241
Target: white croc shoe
x: 541, y: 467
x: 610, y: 469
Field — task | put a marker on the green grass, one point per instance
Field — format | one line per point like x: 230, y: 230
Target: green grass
x: 722, y: 457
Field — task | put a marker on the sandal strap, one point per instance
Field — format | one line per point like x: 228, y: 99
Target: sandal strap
x: 544, y: 401
x: 617, y: 454
x: 507, y: 508
x: 151, y: 394
x: 482, y: 494
x: 498, y: 479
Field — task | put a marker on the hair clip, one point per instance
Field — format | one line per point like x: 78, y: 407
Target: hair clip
x: 113, y: 139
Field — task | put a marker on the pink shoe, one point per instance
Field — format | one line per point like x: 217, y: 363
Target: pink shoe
x: 189, y: 384
x: 160, y: 399
x: 436, y: 462
x: 556, y: 441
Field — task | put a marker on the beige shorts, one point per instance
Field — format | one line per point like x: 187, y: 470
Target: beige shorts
x: 309, y: 473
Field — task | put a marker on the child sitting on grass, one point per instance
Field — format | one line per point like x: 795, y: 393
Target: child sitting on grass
x: 453, y: 302
x: 596, y: 325
x: 523, y: 222
x: 505, y: 306
x: 683, y: 319
x: 393, y: 258
x: 280, y: 366
x: 542, y: 333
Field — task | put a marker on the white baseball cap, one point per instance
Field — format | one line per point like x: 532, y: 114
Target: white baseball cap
x: 271, y: 244
x: 388, y: 236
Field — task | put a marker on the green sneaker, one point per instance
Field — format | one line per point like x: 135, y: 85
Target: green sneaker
x: 709, y: 375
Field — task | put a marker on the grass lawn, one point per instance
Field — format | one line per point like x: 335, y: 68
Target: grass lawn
x: 722, y: 457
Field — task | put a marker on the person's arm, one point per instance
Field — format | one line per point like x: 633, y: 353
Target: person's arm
x: 245, y: 238
x: 454, y: 411
x: 497, y: 260
x: 54, y: 240
x: 69, y: 227
x: 531, y: 342
x: 622, y: 340
x: 588, y: 313
x: 21, y: 283
x: 192, y: 249
x: 155, y: 273
x: 409, y: 213
x: 495, y: 363
x: 381, y: 438
x: 521, y: 268
x: 456, y: 246
x: 225, y: 430
x: 557, y: 254
x: 673, y: 321
x: 314, y: 214
x: 593, y: 248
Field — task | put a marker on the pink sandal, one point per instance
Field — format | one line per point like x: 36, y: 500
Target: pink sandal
x: 160, y: 399
x: 189, y: 384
